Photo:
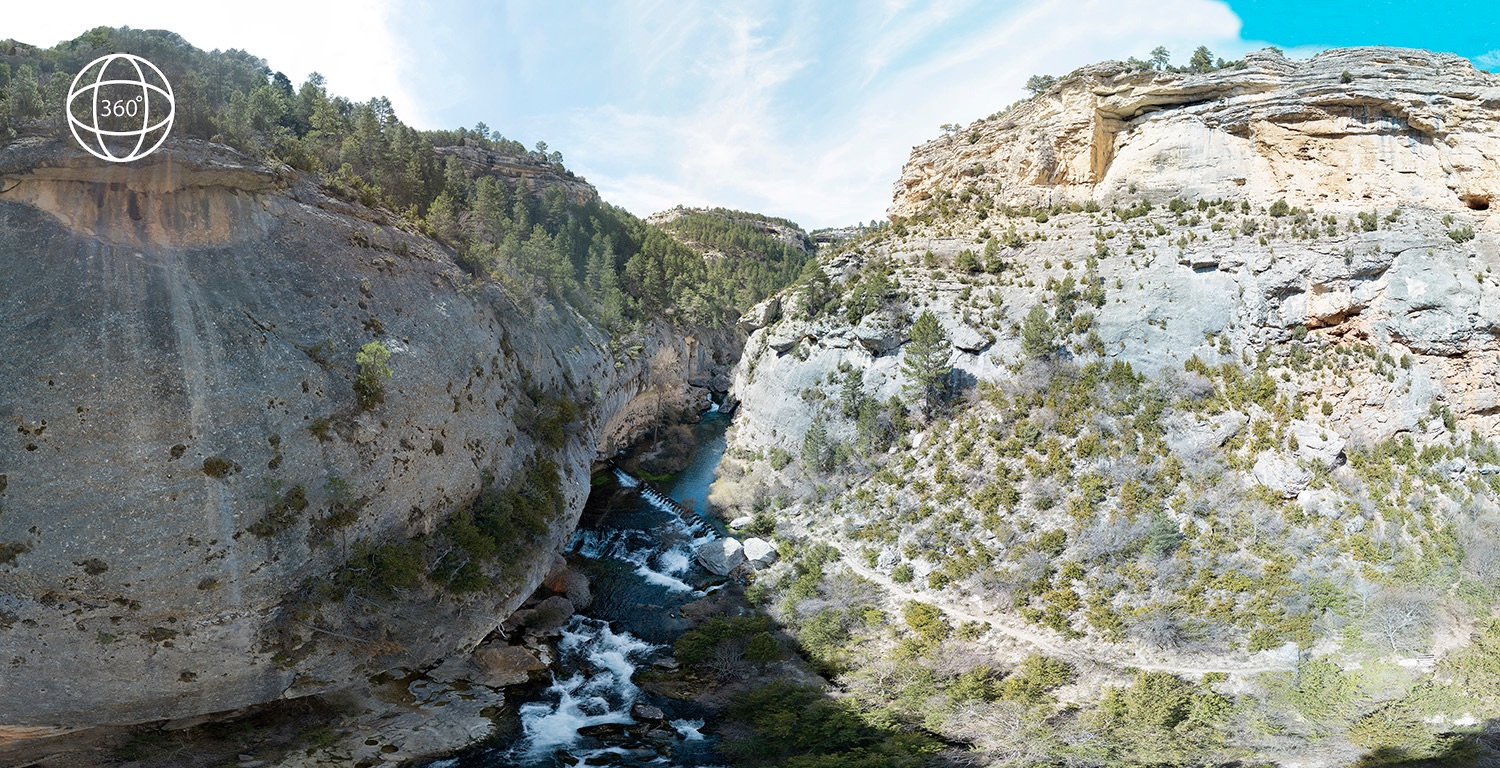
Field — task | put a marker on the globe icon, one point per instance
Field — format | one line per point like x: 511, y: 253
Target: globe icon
x: 120, y: 108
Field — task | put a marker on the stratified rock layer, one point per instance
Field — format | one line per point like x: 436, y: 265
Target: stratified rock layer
x: 1407, y: 126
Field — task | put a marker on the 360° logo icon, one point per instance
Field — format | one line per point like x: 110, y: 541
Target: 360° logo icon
x: 120, y: 110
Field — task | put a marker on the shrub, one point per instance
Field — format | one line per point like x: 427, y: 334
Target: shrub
x: 1394, y: 727
x: 219, y: 467
x: 1462, y: 234
x: 1154, y: 700
x: 792, y: 725
x: 926, y: 620
x: 762, y: 648
x: 697, y: 645
x: 1033, y: 681
x: 282, y: 511
x: 373, y: 360
x: 1163, y: 537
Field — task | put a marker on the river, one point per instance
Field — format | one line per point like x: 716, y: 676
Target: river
x: 637, y: 552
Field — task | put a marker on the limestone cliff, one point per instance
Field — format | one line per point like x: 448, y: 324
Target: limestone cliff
x: 1396, y: 245
x: 1220, y: 345
x: 1356, y: 126
x: 181, y: 423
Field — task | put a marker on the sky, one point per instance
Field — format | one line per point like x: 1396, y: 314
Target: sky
x: 805, y: 110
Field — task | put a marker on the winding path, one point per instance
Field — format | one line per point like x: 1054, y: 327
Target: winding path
x: 1078, y: 651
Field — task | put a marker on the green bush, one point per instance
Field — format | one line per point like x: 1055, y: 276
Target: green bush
x: 1034, y: 680
x: 282, y: 511
x: 926, y: 620
x: 373, y: 361
x: 762, y: 648
x: 799, y: 727
x: 697, y: 645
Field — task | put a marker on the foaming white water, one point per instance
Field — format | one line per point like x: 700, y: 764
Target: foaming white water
x: 625, y: 480
x: 580, y: 701
x: 688, y: 729
x: 674, y: 561
x: 661, y: 579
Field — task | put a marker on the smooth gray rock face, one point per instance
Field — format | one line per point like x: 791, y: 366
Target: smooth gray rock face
x: 721, y: 556
x: 1433, y: 301
x: 169, y: 372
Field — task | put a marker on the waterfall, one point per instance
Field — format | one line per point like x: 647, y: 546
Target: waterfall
x: 625, y: 480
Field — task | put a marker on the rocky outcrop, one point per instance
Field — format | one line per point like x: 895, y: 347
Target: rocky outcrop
x: 782, y: 231
x: 721, y: 556
x: 1360, y: 126
x: 760, y: 553
x: 533, y: 170
x: 182, y: 425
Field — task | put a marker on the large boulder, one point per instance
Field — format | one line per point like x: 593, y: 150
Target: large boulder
x: 1318, y: 444
x: 969, y: 339
x: 785, y: 336
x: 1190, y: 437
x: 759, y: 553
x: 501, y: 665
x: 1281, y: 474
x: 569, y: 583
x: 762, y: 314
x: 548, y: 617
x: 721, y: 556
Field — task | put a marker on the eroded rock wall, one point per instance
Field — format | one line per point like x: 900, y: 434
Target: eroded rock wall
x: 180, y: 356
x: 1352, y: 126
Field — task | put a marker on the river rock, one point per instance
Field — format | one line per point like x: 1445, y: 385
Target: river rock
x: 721, y: 556
x: 569, y: 583
x: 741, y: 521
x: 548, y: 617
x: 759, y: 553
x: 502, y: 665
x: 642, y: 711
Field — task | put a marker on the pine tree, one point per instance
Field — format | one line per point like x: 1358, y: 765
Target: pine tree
x: 817, y: 452
x: 1038, y: 338
x: 1161, y: 58
x: 926, y: 363
x: 992, y: 262
x: 1202, y: 61
x: 853, y: 394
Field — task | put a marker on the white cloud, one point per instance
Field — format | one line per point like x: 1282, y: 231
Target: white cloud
x: 352, y: 43
x: 744, y: 143
x: 1489, y: 60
